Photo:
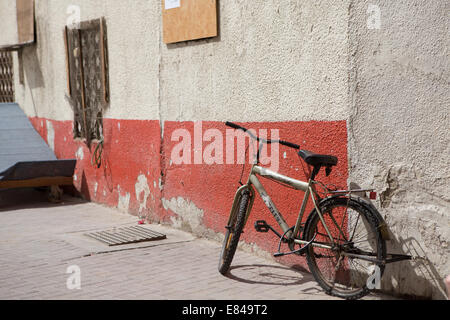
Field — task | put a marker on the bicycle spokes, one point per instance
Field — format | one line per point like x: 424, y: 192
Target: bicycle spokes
x: 346, y: 265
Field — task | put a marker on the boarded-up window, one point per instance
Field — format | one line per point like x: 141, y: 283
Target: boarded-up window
x: 87, y: 74
x: 17, y: 27
x: 189, y: 19
x: 25, y: 21
x: 6, y: 77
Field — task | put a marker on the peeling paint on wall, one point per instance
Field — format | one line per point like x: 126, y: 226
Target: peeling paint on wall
x: 80, y: 153
x: 188, y: 216
x: 124, y: 200
x: 142, y: 192
x: 398, y: 134
x: 389, y: 85
x: 50, y: 135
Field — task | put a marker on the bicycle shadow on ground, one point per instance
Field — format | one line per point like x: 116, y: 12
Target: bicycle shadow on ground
x: 269, y: 275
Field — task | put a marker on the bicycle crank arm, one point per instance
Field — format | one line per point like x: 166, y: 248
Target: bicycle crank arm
x: 262, y: 226
x: 298, y: 251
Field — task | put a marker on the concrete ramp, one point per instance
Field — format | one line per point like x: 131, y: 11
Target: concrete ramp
x: 25, y: 159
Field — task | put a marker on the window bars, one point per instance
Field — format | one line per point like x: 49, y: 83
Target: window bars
x: 6, y: 77
x: 87, y: 74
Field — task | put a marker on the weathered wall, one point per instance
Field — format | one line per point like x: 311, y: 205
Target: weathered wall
x: 311, y: 69
x: 133, y: 41
x: 8, y: 23
x: 130, y: 172
x: 273, y: 61
x: 399, y: 132
x: 274, y: 65
x: 233, y: 77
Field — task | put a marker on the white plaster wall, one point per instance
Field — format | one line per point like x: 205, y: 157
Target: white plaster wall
x: 399, y: 139
x: 274, y: 60
x: 291, y: 60
x: 133, y: 42
x: 8, y: 23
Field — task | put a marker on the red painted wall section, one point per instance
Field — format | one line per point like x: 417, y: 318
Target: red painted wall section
x: 211, y: 188
x: 138, y: 175
x: 128, y: 177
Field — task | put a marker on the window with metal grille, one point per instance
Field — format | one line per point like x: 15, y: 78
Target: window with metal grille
x: 87, y: 74
x: 6, y: 77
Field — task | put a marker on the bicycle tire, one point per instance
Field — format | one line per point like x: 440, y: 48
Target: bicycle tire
x: 233, y: 234
x: 346, y: 283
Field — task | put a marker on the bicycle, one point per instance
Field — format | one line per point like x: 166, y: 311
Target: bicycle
x: 343, y: 237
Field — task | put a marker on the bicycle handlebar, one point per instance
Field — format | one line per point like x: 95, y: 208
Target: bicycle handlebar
x: 234, y: 125
x: 285, y: 143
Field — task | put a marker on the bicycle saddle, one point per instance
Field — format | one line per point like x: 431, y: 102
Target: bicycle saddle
x: 315, y: 159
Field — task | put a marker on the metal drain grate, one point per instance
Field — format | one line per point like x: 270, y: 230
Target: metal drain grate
x: 126, y: 235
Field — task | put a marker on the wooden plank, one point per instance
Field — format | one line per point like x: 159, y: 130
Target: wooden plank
x: 39, y: 182
x: 194, y: 19
x: 67, y: 47
x: 83, y: 94
x: 103, y: 60
x: 25, y: 21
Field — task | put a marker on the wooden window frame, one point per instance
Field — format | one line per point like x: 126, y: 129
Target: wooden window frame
x: 77, y: 54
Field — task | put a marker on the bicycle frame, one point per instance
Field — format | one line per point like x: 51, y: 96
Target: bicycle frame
x: 254, y: 183
x: 346, y: 248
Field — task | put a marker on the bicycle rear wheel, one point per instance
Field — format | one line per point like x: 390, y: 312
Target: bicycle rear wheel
x: 234, y: 230
x: 344, y: 270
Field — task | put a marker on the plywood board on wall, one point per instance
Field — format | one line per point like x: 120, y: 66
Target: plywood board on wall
x: 189, y: 19
x: 25, y: 21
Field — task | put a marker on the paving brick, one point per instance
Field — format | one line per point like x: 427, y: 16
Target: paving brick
x: 39, y: 244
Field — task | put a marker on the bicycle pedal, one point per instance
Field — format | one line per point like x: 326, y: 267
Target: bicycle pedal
x: 261, y: 226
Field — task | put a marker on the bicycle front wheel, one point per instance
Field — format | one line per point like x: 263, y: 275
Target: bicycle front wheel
x: 357, y: 248
x: 234, y: 230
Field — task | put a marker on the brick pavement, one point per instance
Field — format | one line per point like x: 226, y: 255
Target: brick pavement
x: 39, y: 241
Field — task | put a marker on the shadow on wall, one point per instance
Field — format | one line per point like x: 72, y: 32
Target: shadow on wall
x: 85, y: 187
x: 29, y: 66
x: 30, y: 56
x: 32, y: 68
x: 416, y: 278
x: 407, y: 276
x: 83, y: 193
